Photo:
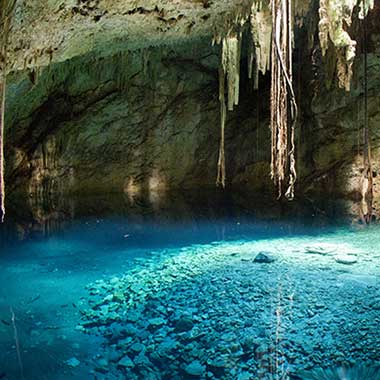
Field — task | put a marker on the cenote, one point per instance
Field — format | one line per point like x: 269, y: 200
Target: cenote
x: 189, y: 190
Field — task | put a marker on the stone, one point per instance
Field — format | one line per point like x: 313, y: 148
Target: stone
x: 346, y: 259
x: 156, y: 322
x: 245, y: 376
x: 114, y: 355
x: 126, y: 362
x: 168, y: 344
x: 264, y: 257
x: 195, y: 368
x: 142, y: 361
x: 218, y: 366
x: 101, y: 365
x: 73, y: 362
x: 249, y: 343
x: 319, y: 250
x: 184, y: 324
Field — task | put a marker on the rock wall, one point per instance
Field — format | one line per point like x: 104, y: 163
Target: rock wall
x: 143, y: 120
x: 147, y: 120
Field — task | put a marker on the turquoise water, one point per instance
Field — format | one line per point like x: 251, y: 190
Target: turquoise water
x: 101, y: 289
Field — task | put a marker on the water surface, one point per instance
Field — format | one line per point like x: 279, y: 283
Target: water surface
x: 114, y: 288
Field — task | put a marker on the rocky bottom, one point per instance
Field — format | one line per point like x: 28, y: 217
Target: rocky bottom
x: 270, y: 309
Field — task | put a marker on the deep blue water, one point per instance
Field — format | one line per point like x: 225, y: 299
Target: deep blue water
x: 187, y: 262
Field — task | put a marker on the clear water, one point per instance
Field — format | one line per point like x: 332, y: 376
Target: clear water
x: 119, y: 289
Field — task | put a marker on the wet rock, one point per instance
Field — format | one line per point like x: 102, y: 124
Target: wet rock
x: 155, y: 323
x: 167, y: 345
x: 245, y: 376
x: 132, y: 316
x: 319, y: 250
x: 137, y: 347
x: 249, y: 343
x: 264, y: 257
x: 218, y: 366
x: 126, y: 362
x: 73, y: 362
x: 114, y: 355
x: 101, y: 365
x: 142, y: 361
x: 195, y: 369
x: 184, y: 324
x: 149, y: 375
x: 346, y: 259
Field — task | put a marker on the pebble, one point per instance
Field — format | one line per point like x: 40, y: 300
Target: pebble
x: 264, y: 257
x: 126, y: 362
x: 195, y: 368
x: 184, y: 324
x: 73, y: 362
x: 346, y: 259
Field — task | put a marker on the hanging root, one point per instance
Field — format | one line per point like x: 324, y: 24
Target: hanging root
x: 282, y: 95
x: 221, y: 176
x: 283, y: 103
x: 367, y: 178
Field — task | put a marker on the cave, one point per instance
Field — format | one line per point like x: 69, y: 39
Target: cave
x: 189, y: 189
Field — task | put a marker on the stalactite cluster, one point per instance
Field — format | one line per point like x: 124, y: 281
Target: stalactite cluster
x: 229, y: 76
x: 335, y: 16
x: 260, y: 46
x: 270, y: 49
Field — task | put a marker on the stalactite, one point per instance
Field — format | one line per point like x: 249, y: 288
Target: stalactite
x: 270, y: 48
x: 261, y: 31
x: 335, y: 16
x: 229, y: 73
x: 231, y: 51
x: 282, y: 99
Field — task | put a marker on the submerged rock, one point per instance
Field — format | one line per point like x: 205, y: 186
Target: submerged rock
x: 126, y: 362
x: 156, y: 322
x: 101, y: 365
x: 245, y: 376
x: 73, y: 362
x: 195, y: 368
x: 264, y: 257
x: 137, y: 347
x: 346, y: 259
x: 184, y: 324
x: 218, y: 366
x: 319, y: 250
